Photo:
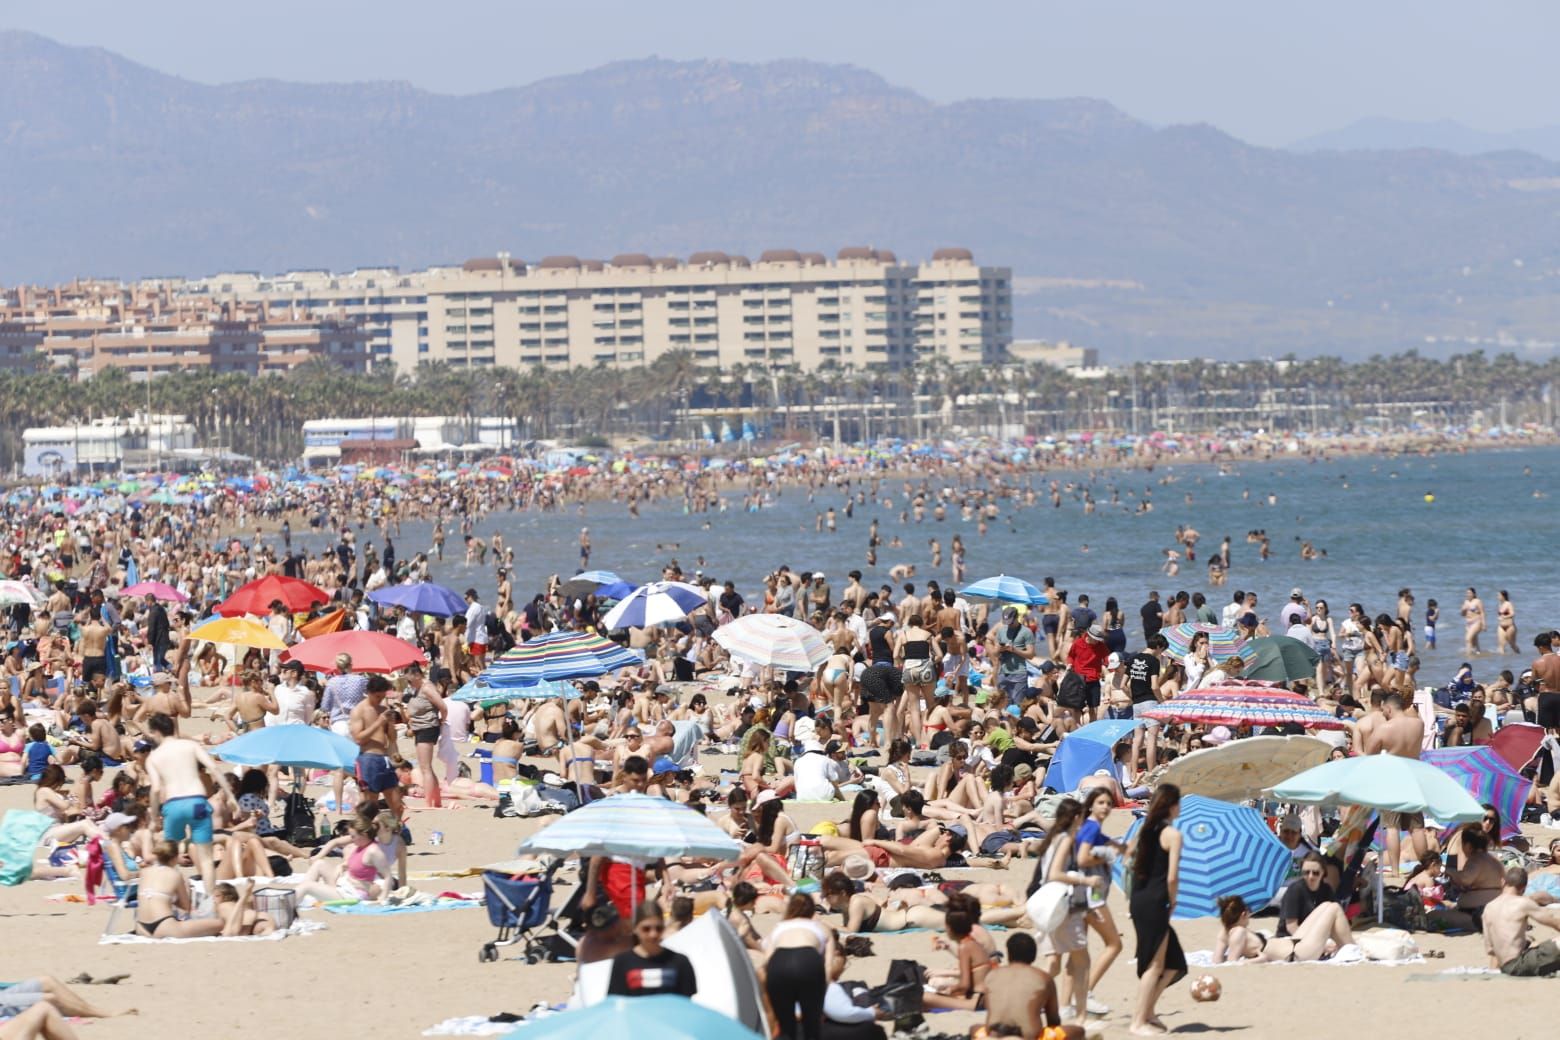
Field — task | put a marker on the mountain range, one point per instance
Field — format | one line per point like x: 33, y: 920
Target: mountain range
x: 1443, y: 135
x: 1145, y: 241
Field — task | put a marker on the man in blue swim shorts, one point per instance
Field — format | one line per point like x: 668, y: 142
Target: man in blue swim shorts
x: 179, y: 795
x: 372, y: 728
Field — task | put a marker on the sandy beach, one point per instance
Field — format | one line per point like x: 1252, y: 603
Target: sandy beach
x: 393, y: 977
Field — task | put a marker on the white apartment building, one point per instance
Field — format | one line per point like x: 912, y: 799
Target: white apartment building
x: 864, y: 309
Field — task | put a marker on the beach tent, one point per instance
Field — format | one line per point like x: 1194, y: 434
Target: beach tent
x: 1086, y: 750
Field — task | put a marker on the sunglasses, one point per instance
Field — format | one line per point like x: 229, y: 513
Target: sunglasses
x: 1310, y: 873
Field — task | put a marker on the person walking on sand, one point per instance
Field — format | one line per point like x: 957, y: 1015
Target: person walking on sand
x: 1155, y: 855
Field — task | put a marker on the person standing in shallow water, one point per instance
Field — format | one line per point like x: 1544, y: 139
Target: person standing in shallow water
x: 1505, y: 625
x: 1473, y: 622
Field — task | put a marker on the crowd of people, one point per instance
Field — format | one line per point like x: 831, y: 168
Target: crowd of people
x: 933, y: 723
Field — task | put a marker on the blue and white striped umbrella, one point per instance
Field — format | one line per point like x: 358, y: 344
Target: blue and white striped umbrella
x: 1226, y: 850
x: 599, y: 577
x: 658, y: 603
x: 477, y: 691
x: 1007, y: 588
x: 560, y: 655
x: 634, y: 826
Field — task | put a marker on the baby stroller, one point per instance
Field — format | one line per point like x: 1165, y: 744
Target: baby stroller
x: 518, y: 907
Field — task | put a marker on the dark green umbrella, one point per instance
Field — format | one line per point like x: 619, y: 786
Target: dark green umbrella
x: 1278, y: 659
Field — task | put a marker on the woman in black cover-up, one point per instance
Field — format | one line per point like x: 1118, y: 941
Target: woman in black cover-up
x: 1156, y: 868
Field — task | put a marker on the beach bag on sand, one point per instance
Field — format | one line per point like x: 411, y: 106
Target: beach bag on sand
x: 1387, y: 944
x: 1403, y: 909
x: 901, y: 992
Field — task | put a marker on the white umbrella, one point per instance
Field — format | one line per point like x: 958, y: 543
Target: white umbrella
x: 1240, y: 769
x: 774, y: 640
x: 637, y: 827
x: 658, y: 603
x: 13, y: 592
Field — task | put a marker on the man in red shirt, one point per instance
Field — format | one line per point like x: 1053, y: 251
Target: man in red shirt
x: 1080, y: 689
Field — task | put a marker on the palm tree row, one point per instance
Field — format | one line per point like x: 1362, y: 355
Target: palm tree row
x: 674, y: 397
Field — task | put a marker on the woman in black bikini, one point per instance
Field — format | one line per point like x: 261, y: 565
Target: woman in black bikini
x: 164, y: 895
x: 1323, y: 932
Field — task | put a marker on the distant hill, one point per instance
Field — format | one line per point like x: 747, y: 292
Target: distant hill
x: 111, y: 168
x: 1442, y: 135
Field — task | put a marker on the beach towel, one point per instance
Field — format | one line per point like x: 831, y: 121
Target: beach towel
x: 1350, y: 954
x: 419, y: 907
x: 20, y: 832
x: 133, y: 939
x: 470, y: 1025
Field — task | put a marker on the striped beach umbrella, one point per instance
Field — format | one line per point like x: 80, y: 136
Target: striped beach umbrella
x: 658, y: 603
x: 1223, y: 642
x: 477, y: 691
x: 637, y: 827
x: 1488, y: 777
x: 774, y: 640
x: 1226, y: 850
x: 560, y: 655
x: 1006, y: 588
x: 1245, y: 702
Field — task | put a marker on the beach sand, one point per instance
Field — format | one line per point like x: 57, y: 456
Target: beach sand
x: 393, y: 977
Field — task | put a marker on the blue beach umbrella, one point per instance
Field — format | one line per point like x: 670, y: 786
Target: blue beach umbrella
x: 1386, y: 783
x: 423, y: 597
x: 1226, y: 850
x: 478, y: 691
x: 292, y: 745
x: 1086, y: 750
x: 664, y: 1016
x: 1007, y: 588
x: 599, y: 577
x: 658, y: 603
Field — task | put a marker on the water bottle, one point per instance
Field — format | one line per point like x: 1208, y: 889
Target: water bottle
x: 324, y: 828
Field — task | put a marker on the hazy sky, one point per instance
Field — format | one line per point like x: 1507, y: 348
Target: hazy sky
x: 1270, y: 73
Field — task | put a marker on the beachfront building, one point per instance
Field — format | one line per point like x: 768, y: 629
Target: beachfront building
x: 87, y: 327
x: 329, y: 441
x: 863, y: 309
x: 143, y: 441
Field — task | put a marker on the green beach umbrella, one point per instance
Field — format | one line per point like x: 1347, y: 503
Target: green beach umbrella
x: 1278, y: 659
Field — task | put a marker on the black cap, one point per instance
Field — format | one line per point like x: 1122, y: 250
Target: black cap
x: 833, y: 747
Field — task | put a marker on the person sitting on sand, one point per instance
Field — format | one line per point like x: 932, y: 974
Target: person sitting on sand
x: 1507, y: 920
x: 361, y: 873
x: 164, y: 902
x: 236, y: 909
x: 1324, y: 931
x: 1020, y: 998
